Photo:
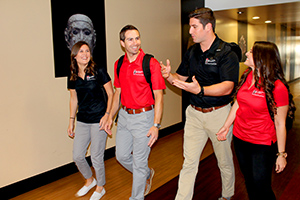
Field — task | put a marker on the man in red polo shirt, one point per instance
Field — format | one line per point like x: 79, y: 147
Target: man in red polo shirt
x: 140, y: 114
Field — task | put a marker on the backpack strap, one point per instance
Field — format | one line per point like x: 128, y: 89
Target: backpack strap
x: 234, y: 47
x: 146, y: 70
x: 120, y: 62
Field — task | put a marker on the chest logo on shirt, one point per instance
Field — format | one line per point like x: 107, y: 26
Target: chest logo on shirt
x: 210, y: 61
x: 258, y: 93
x: 138, y: 73
x: 90, y: 78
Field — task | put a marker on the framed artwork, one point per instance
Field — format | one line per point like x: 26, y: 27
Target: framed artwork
x: 74, y: 21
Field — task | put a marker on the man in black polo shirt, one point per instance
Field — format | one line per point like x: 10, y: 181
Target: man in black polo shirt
x: 209, y: 71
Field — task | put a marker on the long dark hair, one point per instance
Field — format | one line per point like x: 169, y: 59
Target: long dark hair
x: 268, y: 65
x: 90, y: 69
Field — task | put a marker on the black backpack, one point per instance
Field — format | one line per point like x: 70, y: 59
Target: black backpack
x: 234, y: 47
x: 146, y: 68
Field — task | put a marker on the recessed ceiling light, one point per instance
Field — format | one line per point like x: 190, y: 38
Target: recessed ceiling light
x: 268, y: 21
x: 255, y: 17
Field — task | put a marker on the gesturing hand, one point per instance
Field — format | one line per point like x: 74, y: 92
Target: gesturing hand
x: 165, y: 70
x: 192, y: 87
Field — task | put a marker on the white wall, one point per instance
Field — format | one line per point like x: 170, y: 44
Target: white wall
x: 34, y: 108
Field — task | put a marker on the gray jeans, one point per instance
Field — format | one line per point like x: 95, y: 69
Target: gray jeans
x: 84, y: 135
x: 132, y: 150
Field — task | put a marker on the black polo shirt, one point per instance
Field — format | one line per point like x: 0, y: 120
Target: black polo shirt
x: 91, y: 95
x: 210, y: 67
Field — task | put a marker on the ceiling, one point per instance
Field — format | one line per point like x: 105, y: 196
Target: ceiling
x: 278, y: 13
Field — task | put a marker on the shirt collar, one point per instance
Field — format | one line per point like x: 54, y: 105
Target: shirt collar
x: 139, y: 57
x: 215, y: 45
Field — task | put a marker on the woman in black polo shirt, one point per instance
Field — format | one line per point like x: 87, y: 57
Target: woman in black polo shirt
x: 91, y: 93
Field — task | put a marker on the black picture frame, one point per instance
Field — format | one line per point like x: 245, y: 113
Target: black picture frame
x: 61, y: 12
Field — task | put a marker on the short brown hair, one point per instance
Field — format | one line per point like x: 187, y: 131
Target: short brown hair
x: 126, y: 28
x: 205, y: 16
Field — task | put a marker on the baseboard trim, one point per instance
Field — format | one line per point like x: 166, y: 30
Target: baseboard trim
x: 45, y: 178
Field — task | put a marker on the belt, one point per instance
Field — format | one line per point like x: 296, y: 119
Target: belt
x: 137, y: 111
x: 206, y: 110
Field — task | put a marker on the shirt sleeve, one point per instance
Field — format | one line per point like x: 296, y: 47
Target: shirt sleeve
x: 103, y: 76
x: 229, y: 70
x: 158, y: 82
x: 281, y: 95
x: 70, y: 84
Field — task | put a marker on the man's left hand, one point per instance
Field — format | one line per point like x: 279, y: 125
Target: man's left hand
x: 192, y: 87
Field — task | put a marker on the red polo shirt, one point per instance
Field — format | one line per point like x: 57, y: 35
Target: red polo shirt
x: 253, y: 122
x: 135, y: 91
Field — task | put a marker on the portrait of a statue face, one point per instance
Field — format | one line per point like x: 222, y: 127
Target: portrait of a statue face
x: 72, y: 23
x: 80, y: 28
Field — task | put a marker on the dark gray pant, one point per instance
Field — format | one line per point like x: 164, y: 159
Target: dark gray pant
x: 84, y: 135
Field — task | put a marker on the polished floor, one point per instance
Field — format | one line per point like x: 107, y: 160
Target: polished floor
x: 208, y: 182
x: 166, y: 158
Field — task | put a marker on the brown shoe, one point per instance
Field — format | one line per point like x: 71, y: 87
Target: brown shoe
x: 149, y: 182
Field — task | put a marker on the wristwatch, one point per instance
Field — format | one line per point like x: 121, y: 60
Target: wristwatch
x: 157, y: 125
x: 201, y: 93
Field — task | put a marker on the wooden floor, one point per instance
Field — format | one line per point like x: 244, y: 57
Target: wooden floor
x: 166, y: 158
x: 208, y: 182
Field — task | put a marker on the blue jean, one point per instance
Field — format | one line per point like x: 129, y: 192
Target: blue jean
x: 256, y: 163
x: 132, y: 150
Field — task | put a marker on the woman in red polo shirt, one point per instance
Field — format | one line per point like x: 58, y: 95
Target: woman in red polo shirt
x: 259, y: 116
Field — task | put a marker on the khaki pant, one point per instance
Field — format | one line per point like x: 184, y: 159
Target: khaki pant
x: 198, y: 128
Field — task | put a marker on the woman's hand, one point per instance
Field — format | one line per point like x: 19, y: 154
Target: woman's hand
x: 103, y: 121
x: 70, y: 130
x: 221, y: 135
x: 280, y: 163
x: 106, y: 123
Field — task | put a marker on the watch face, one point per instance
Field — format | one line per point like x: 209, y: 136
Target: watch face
x: 157, y: 125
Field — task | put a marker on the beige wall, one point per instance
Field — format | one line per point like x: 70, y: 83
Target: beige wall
x: 160, y: 27
x: 34, y: 108
x: 256, y: 33
x: 226, y: 28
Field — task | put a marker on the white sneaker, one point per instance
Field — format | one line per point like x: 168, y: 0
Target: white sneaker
x: 97, y: 195
x: 85, y: 189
